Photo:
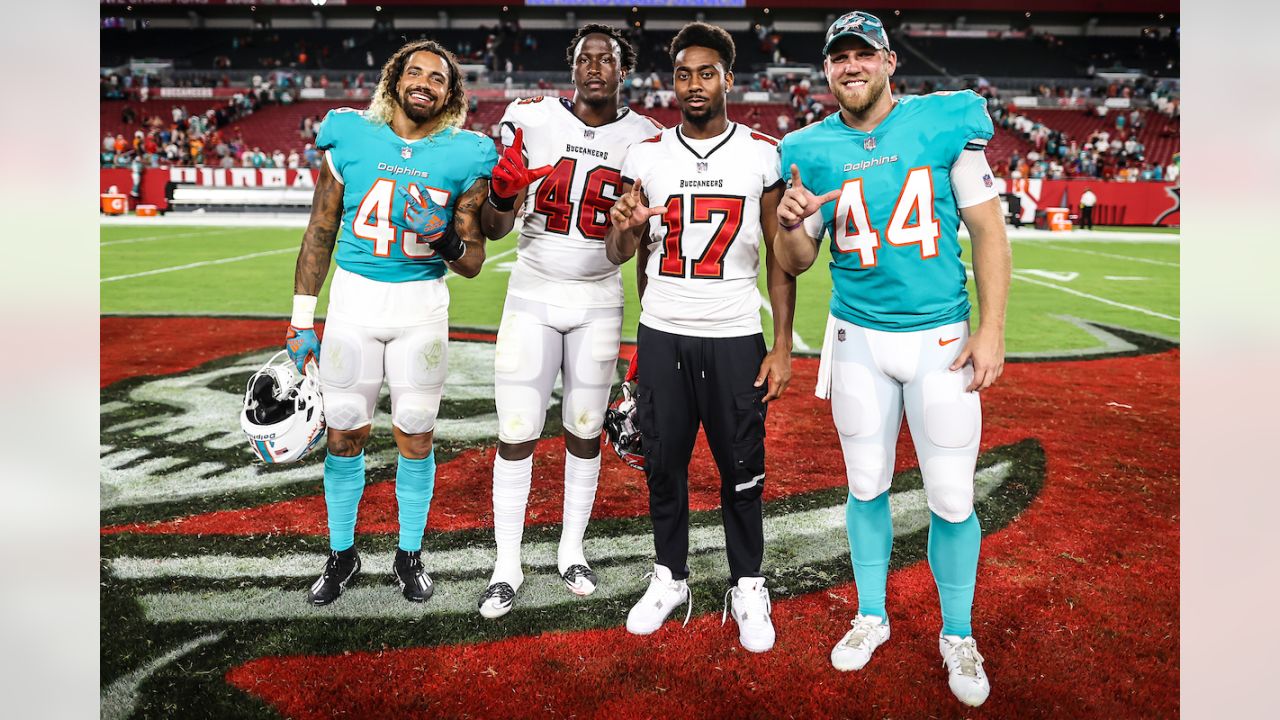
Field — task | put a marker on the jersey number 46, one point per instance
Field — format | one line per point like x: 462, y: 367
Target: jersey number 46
x: 551, y: 199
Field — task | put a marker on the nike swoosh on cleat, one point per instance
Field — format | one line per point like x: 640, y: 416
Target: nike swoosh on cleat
x: 942, y: 342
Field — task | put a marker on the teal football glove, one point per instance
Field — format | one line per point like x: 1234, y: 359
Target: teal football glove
x: 303, y: 346
x: 426, y: 218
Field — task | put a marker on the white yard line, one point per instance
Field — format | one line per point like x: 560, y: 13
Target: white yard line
x: 1135, y: 308
x: 1071, y: 236
x: 1095, y: 298
x: 204, y: 263
x: 796, y: 340
x: 148, y: 238
x: 495, y: 258
x: 1161, y: 263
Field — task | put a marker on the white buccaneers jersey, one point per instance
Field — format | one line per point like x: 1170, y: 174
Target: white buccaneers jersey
x: 704, y: 252
x: 560, y: 258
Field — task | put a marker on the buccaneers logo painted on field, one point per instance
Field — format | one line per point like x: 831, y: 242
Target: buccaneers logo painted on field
x: 206, y: 556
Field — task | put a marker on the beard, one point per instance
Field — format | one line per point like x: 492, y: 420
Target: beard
x: 856, y: 105
x: 414, y: 112
x: 599, y: 100
x: 699, y: 117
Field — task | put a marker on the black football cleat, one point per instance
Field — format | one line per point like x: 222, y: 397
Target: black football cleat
x: 415, y: 583
x: 340, y: 570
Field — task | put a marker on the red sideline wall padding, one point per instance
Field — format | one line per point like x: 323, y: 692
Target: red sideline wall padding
x: 152, y: 190
x: 1119, y: 203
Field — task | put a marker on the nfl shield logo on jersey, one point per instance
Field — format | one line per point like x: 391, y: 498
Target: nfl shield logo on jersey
x: 406, y: 152
x: 840, y: 335
x: 702, y: 167
x: 986, y: 180
x: 869, y: 144
x: 589, y: 134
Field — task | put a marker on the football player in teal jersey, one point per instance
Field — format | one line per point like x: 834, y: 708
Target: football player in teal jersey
x: 891, y: 180
x: 399, y: 197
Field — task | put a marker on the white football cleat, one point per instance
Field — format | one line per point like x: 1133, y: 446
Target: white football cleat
x: 854, y: 649
x: 497, y: 600
x: 751, y: 610
x: 663, y: 596
x: 966, y: 677
x: 580, y: 579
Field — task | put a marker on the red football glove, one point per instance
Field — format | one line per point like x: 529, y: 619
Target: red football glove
x: 511, y: 175
x: 633, y: 368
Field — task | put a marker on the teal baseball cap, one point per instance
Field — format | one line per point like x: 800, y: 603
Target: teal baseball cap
x: 857, y: 24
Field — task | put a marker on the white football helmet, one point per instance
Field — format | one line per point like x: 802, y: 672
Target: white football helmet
x: 620, y: 427
x: 283, y: 412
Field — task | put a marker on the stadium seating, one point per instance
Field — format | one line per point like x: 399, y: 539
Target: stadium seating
x: 109, y: 112
x: 1039, y: 56
x: 1159, y: 134
x: 275, y: 127
x: 1003, y: 144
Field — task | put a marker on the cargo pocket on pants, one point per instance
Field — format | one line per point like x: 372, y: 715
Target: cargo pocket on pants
x: 748, y: 444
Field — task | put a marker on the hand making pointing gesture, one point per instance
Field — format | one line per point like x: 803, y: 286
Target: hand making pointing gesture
x: 632, y: 210
x: 798, y: 203
x: 511, y: 174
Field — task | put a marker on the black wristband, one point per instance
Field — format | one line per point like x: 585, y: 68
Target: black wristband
x: 502, y: 204
x: 450, y: 245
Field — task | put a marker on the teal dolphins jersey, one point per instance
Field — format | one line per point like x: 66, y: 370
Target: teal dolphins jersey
x: 895, y: 257
x: 374, y: 164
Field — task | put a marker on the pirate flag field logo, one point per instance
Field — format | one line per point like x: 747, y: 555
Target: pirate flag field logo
x: 206, y: 555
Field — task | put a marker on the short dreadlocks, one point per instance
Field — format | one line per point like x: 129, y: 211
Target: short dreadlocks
x: 628, y: 60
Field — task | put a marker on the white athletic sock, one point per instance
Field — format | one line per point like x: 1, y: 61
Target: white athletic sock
x: 511, y: 480
x: 580, y: 478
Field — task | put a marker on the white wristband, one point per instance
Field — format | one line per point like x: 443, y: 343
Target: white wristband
x: 304, y: 311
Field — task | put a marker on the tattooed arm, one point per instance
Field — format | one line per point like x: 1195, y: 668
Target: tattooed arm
x: 321, y: 234
x: 313, y: 266
x: 466, y: 222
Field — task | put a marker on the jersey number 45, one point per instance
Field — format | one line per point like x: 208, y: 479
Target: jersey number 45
x: 373, y: 219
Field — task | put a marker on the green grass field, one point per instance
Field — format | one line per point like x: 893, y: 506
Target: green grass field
x: 169, y: 270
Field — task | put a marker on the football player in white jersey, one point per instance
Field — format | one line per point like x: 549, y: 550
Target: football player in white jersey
x: 563, y: 313
x: 699, y: 201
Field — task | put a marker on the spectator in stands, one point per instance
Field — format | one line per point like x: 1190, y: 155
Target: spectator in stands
x: 293, y: 161
x: 312, y: 156
x: 1087, y: 201
x: 784, y: 124
x: 278, y: 159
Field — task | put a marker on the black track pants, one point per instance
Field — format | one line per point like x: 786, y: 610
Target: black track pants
x: 684, y: 381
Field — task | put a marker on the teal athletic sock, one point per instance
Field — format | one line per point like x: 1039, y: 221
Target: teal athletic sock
x: 415, y: 484
x: 870, y: 527
x: 953, y: 557
x: 343, y: 486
